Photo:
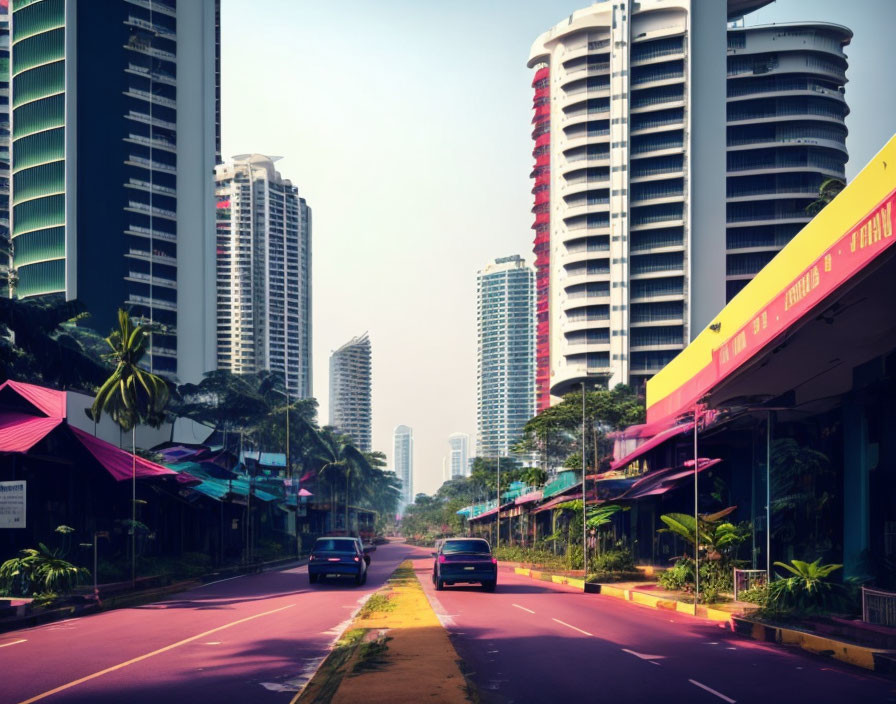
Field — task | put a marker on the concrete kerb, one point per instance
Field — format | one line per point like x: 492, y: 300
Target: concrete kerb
x: 874, y: 659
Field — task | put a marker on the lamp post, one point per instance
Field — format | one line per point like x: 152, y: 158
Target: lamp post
x: 289, y: 473
x: 584, y: 506
x: 498, y: 516
x: 696, y: 519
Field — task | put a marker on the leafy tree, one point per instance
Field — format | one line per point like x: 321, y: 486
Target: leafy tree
x: 40, y: 343
x: 556, y: 432
x: 340, y: 461
x: 827, y: 191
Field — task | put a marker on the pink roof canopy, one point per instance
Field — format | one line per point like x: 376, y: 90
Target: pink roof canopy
x: 20, y: 431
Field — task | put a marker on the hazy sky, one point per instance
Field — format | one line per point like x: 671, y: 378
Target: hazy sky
x: 406, y: 125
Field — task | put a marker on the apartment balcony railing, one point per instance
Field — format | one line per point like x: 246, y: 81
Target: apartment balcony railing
x: 155, y: 187
x: 638, y: 102
x: 152, y: 210
x: 660, y: 76
x: 150, y: 164
x: 150, y: 232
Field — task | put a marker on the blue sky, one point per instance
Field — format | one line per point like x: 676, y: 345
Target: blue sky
x: 405, y: 123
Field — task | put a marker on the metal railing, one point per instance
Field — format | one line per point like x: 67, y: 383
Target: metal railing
x: 748, y: 579
x: 878, y: 607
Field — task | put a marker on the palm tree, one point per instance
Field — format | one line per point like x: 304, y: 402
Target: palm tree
x: 131, y: 395
x: 827, y: 191
x: 339, y: 459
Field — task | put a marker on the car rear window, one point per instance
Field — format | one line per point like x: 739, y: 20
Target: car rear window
x: 336, y: 544
x: 456, y: 546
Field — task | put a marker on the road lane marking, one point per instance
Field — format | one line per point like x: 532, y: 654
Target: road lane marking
x: 218, y: 581
x: 523, y: 608
x: 712, y: 691
x: 15, y: 642
x: 121, y: 665
x: 644, y: 656
x: 563, y: 623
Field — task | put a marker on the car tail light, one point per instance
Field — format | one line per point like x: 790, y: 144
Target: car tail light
x: 356, y: 558
x: 310, y: 558
x: 442, y: 560
x: 494, y: 561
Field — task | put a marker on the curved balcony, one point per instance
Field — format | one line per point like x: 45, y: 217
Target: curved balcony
x: 573, y: 211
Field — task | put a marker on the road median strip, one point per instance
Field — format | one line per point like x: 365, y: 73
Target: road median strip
x: 395, y: 650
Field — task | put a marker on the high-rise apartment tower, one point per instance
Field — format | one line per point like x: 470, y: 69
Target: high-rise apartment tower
x: 459, y: 455
x: 633, y: 115
x: 786, y: 135
x: 403, y: 463
x: 350, y: 390
x: 4, y: 150
x: 505, y: 374
x: 113, y: 147
x: 264, y: 272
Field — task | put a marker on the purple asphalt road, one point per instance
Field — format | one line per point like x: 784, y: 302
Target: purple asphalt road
x: 533, y: 641
x: 248, y: 639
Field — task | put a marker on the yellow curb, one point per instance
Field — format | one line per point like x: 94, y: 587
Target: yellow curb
x: 522, y: 570
x: 577, y: 583
x: 717, y: 615
x: 557, y: 579
x: 683, y: 608
x: 845, y: 652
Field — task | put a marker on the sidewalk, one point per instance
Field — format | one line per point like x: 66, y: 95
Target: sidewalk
x: 120, y: 595
x: 395, y: 652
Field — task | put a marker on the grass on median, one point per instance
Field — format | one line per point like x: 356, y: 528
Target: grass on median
x: 377, y: 603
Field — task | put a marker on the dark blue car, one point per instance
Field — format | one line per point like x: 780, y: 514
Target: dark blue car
x: 337, y: 557
x: 465, y: 561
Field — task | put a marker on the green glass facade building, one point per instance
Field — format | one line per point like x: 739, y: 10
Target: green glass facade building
x: 113, y: 150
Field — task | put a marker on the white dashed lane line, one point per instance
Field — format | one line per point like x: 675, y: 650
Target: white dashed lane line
x: 563, y: 623
x: 14, y: 642
x: 523, y: 608
x: 712, y: 691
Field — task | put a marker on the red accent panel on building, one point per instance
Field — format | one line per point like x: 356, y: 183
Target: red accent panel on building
x: 541, y: 134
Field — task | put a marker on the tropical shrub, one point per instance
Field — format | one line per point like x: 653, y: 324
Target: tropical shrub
x: 39, y: 570
x: 616, y: 560
x: 718, y: 542
x: 679, y: 576
x: 808, y: 591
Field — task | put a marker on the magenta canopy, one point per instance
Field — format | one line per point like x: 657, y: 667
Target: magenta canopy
x: 118, y: 462
x: 527, y: 498
x: 20, y: 432
x: 655, y: 441
x: 658, y: 483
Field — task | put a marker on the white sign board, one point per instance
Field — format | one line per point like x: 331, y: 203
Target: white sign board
x: 12, y: 504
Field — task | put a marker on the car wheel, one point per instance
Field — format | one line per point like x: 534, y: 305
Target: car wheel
x: 440, y: 585
x: 312, y: 578
x: 359, y: 580
x: 490, y: 585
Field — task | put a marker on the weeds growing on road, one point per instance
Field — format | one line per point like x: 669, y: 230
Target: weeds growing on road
x: 377, y: 603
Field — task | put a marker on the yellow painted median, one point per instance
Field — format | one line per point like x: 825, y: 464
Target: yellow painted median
x: 395, y: 651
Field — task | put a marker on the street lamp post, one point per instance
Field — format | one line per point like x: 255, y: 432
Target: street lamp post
x: 696, y: 517
x: 584, y: 507
x: 498, y: 516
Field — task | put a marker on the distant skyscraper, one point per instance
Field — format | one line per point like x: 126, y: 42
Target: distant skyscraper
x: 4, y: 150
x: 459, y: 455
x: 264, y: 273
x: 633, y: 111
x: 113, y: 150
x: 403, y: 462
x: 350, y: 405
x: 505, y: 374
